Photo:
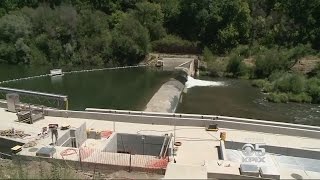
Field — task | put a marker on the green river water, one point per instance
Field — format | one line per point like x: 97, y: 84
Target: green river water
x: 239, y: 99
x: 132, y: 89
x: 115, y: 89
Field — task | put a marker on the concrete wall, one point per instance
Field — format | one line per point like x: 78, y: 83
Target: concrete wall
x: 63, y: 138
x: 81, y: 134
x: 189, y: 120
x: 112, y: 144
x: 193, y: 120
x: 135, y: 144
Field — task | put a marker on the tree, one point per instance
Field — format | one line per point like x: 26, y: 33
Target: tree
x: 130, y: 41
x: 150, y: 16
x: 15, y: 30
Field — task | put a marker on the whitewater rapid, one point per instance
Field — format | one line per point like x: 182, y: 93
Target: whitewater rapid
x: 197, y: 82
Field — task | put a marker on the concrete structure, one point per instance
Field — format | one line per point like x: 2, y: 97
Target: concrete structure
x: 201, y: 151
x: 166, y: 99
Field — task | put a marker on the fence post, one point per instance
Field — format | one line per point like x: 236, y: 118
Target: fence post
x: 130, y: 163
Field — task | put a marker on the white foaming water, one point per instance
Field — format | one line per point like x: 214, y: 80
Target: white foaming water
x: 197, y: 82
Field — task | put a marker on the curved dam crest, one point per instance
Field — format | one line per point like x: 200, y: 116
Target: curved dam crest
x: 167, y: 98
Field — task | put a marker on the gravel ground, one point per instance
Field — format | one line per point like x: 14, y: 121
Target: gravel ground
x: 45, y: 170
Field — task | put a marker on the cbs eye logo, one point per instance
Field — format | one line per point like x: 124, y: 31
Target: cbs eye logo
x: 250, y: 150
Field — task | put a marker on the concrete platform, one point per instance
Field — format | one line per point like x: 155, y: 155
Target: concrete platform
x: 198, y: 148
x: 181, y: 171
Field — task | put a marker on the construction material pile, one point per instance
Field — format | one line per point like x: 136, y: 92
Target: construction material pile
x: 13, y: 133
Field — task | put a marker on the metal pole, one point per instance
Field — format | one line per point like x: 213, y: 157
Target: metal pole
x: 130, y: 163
x: 143, y: 137
x: 174, y: 134
x: 143, y: 148
x: 67, y: 104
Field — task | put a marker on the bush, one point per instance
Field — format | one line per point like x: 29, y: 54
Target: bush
x: 313, y: 89
x: 207, y: 55
x: 302, y: 97
x: 276, y: 75
x: 174, y: 44
x: 290, y: 83
x: 278, y: 97
x: 217, y: 67
x: 260, y: 83
x: 268, y: 87
x: 236, y: 66
x: 269, y: 62
x: 242, y: 50
x: 299, y: 51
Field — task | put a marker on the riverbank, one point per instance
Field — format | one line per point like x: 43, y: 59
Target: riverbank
x: 288, y: 74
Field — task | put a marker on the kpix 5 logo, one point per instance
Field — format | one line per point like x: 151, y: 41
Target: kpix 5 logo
x: 253, y: 153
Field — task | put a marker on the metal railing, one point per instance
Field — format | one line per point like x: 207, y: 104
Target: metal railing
x: 37, y: 98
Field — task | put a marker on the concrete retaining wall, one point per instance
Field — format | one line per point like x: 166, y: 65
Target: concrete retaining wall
x: 112, y: 144
x: 188, y: 120
x: 81, y: 134
x: 192, y: 120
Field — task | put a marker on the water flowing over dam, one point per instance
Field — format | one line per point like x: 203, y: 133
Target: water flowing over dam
x: 192, y: 82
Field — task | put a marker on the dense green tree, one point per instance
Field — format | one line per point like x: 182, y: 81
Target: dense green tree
x: 150, y: 16
x: 14, y: 32
x: 130, y: 41
x: 88, y: 32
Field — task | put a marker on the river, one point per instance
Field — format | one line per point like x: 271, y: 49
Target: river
x: 133, y: 88
x: 115, y: 89
x: 235, y: 97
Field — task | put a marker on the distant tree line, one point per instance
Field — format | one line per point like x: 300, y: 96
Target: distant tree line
x: 118, y: 32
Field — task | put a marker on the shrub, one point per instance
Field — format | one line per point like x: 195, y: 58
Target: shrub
x: 269, y: 62
x: 275, y: 75
x: 216, y: 67
x: 268, y: 87
x: 242, y: 50
x: 278, y: 97
x: 236, y: 66
x: 299, y: 51
x: 259, y: 83
x: 290, y: 83
x: 302, y: 97
x: 207, y: 55
x: 313, y: 89
x: 174, y: 44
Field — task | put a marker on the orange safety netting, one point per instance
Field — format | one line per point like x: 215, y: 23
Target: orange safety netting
x: 85, y: 152
x: 106, y: 134
x: 68, y: 152
x: 158, y: 164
